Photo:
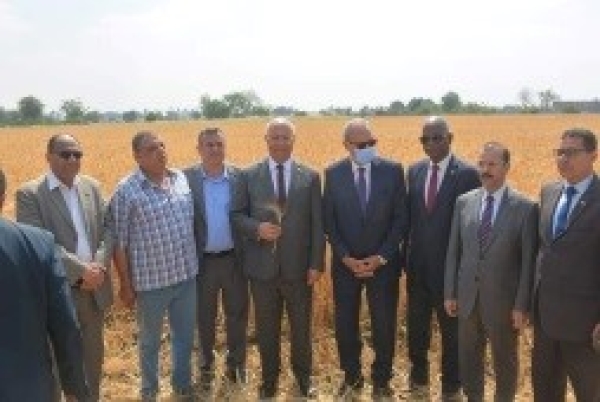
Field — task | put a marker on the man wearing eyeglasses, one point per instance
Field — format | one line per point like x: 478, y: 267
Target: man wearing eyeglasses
x: 365, y: 222
x: 70, y: 206
x: 567, y: 283
x: 434, y: 184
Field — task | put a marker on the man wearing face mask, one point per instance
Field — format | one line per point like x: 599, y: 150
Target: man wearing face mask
x: 365, y: 221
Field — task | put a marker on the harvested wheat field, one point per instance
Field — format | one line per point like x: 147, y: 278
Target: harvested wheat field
x: 530, y: 138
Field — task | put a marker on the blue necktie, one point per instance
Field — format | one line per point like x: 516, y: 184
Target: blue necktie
x: 485, y: 228
x: 362, y: 188
x: 562, y: 217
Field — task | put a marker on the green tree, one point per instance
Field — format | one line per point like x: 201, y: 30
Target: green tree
x: 547, y: 98
x: 74, y: 111
x: 242, y: 103
x: 31, y: 109
x: 396, y: 108
x: 130, y: 116
x: 422, y: 106
x: 451, y: 102
x: 214, y: 108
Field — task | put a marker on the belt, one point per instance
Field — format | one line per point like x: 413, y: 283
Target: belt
x: 218, y: 254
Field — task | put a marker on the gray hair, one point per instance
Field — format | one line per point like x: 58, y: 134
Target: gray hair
x: 140, y: 138
x: 280, y: 121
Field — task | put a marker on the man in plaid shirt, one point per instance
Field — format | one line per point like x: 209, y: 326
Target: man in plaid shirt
x: 155, y: 257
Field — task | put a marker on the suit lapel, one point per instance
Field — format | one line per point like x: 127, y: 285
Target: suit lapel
x: 583, y: 202
x: 266, y: 181
x: 448, y: 181
x: 547, y: 213
x: 347, y: 179
x: 375, y: 189
x: 501, y: 216
x: 420, y: 178
x: 196, y: 184
x: 296, y: 178
x: 59, y: 202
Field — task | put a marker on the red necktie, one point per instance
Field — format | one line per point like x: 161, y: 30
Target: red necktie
x: 432, y: 188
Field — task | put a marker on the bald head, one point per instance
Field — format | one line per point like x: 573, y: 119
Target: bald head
x: 436, y: 138
x: 438, y: 122
x: 280, y: 123
x: 358, y: 126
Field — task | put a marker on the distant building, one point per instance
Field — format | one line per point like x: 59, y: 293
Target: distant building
x: 592, y: 106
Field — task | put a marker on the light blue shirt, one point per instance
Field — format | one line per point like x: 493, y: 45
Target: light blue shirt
x: 581, y: 188
x: 217, y: 200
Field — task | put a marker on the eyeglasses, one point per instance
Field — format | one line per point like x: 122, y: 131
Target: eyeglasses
x: 364, y: 144
x: 431, y: 138
x: 66, y: 155
x: 568, y: 152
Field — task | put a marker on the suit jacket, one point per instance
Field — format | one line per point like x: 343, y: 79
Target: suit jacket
x: 381, y: 228
x: 502, y: 273
x: 35, y: 305
x: 39, y: 206
x: 195, y: 179
x: 430, y: 231
x: 567, y: 281
x: 302, y: 243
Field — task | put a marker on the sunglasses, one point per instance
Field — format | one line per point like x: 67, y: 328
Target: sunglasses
x: 364, y: 144
x: 431, y: 138
x: 568, y: 152
x: 66, y: 155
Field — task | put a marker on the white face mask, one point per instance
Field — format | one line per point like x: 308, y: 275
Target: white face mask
x: 364, y: 156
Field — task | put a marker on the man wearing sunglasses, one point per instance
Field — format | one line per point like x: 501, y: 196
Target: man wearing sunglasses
x: 70, y: 206
x: 365, y: 222
x: 567, y: 283
x: 434, y: 185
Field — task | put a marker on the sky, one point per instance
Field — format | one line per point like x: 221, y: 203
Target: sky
x: 164, y: 54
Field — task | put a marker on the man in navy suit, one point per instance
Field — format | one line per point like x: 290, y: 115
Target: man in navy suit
x: 434, y: 185
x: 365, y: 220
x: 35, y: 305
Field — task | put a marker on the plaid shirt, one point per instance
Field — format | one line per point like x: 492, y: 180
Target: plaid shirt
x: 155, y: 227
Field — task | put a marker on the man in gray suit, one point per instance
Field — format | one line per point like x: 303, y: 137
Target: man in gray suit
x: 489, y: 272
x: 219, y: 257
x: 36, y: 311
x: 70, y: 206
x: 567, y: 281
x: 277, y: 207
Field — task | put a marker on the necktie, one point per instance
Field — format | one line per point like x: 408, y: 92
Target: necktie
x: 485, y: 227
x: 362, y: 188
x: 432, y: 188
x: 281, y: 195
x: 562, y: 218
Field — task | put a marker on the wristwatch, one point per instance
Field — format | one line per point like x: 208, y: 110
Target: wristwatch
x: 382, y: 261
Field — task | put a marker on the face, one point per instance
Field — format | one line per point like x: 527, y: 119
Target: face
x: 573, y: 161
x: 152, y: 156
x: 492, y: 169
x: 211, y: 149
x: 65, y: 159
x: 280, y: 142
x: 436, y: 141
x: 358, y: 137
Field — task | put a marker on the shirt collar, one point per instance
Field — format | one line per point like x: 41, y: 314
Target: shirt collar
x: 139, y: 174
x: 443, y: 164
x: 496, y: 194
x: 356, y: 166
x: 223, y: 176
x: 287, y: 165
x: 54, y: 182
x: 582, y: 186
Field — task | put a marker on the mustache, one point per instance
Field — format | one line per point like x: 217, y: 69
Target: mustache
x: 486, y: 176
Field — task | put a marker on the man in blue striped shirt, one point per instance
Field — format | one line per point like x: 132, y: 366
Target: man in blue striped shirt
x: 219, y: 255
x: 156, y: 260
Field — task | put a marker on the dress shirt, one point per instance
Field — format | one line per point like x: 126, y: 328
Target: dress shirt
x: 71, y: 197
x: 217, y: 200
x: 287, y: 174
x: 581, y: 188
x: 442, y: 167
x: 155, y: 226
x: 497, y: 195
x: 367, y: 168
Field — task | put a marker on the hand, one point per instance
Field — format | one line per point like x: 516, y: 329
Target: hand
x: 451, y: 307
x: 127, y: 295
x: 269, y: 231
x: 372, y: 263
x: 312, y: 276
x: 520, y: 319
x: 93, y: 276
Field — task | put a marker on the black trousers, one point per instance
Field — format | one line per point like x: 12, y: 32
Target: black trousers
x: 271, y: 298
x: 421, y: 305
x: 382, y: 298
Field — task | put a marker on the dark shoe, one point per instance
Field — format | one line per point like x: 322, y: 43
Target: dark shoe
x: 267, y: 390
x: 351, y: 385
x: 306, y: 388
x: 417, y: 387
x: 452, y: 396
x: 382, y: 391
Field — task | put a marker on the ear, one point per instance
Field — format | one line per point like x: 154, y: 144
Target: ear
x: 450, y: 138
x: 2, y: 197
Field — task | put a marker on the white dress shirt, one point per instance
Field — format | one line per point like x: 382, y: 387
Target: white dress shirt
x: 287, y: 174
x: 71, y: 197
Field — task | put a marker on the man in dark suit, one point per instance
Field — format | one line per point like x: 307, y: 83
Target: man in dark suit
x: 219, y: 256
x: 365, y: 220
x: 489, y: 273
x: 567, y: 282
x: 35, y: 305
x: 70, y: 206
x: 277, y: 207
x: 434, y: 184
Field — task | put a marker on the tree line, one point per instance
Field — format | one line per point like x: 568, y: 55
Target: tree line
x: 30, y: 110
